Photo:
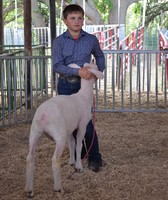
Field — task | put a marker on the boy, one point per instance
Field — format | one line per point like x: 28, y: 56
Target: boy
x: 77, y: 46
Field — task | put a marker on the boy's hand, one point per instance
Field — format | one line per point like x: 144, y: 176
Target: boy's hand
x: 85, y: 74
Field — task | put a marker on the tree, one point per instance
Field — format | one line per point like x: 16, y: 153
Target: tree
x: 156, y: 11
x: 113, y: 15
x: 97, y: 12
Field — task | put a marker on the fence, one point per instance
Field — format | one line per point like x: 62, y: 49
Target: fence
x: 26, y: 82
x: 18, y: 50
x: 163, y: 46
x: 108, y: 38
x: 41, y: 35
x: 134, y: 40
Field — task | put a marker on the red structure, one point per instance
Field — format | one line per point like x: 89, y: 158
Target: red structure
x: 108, y: 38
x: 134, y: 41
x: 163, y: 45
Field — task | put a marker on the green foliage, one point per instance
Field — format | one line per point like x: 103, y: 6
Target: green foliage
x: 133, y: 19
x: 165, y: 22
x: 104, y: 7
x: 136, y: 9
x: 10, y: 18
x: 45, y: 12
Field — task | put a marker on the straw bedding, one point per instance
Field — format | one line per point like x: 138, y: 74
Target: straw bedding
x: 133, y: 145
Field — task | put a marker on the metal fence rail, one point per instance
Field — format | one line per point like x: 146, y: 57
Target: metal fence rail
x: 129, y: 85
x: 134, y: 85
x: 25, y: 83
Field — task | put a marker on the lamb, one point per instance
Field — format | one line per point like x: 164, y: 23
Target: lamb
x: 59, y: 117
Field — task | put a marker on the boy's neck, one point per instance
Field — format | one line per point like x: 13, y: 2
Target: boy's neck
x: 74, y: 34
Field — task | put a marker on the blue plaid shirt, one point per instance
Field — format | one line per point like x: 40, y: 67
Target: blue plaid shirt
x: 66, y: 50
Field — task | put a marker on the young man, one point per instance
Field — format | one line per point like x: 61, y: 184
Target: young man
x: 77, y: 46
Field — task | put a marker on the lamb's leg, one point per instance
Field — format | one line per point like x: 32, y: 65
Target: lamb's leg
x: 30, y: 163
x: 56, y: 165
x: 71, y: 141
x: 80, y: 136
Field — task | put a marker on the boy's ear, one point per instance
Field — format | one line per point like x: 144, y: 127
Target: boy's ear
x: 64, y: 20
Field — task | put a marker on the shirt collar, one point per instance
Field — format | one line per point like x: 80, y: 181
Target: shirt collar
x: 68, y: 35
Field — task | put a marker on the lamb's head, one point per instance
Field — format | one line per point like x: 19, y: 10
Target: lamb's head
x: 94, y: 69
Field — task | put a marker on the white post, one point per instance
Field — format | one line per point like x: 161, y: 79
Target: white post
x: 84, y: 23
x: 16, y: 24
x: 119, y: 6
x: 144, y: 10
x: 60, y: 26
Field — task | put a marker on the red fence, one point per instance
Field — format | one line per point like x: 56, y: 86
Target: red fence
x: 108, y: 38
x: 163, y: 45
x: 134, y: 40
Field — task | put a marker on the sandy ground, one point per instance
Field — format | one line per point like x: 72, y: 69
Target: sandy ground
x: 134, y: 146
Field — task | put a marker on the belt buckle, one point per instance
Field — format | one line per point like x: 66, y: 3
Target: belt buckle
x: 72, y: 79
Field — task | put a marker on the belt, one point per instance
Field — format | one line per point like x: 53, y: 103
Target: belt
x: 70, y: 79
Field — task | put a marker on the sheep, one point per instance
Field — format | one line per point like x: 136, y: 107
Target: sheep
x: 59, y: 117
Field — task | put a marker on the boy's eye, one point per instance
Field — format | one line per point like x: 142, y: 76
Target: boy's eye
x: 74, y: 18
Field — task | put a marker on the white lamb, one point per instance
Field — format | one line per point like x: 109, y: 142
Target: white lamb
x: 59, y: 117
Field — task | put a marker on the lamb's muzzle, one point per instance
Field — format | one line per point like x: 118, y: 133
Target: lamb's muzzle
x: 59, y: 117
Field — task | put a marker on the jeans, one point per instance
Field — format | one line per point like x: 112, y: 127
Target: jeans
x: 91, y: 139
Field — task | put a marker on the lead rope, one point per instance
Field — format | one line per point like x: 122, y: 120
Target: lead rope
x: 93, y: 133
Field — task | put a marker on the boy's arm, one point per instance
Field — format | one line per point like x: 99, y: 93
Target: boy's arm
x: 99, y: 56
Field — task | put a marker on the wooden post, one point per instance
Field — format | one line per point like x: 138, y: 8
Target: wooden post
x: 52, y: 21
x: 27, y: 43
x: 1, y: 27
x: 1, y: 34
x: 27, y: 28
x: 52, y: 29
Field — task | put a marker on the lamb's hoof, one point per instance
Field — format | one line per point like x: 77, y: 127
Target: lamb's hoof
x: 71, y: 163
x: 78, y: 170
x: 59, y: 191
x: 30, y: 194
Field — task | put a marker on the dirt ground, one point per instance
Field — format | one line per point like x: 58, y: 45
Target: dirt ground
x: 134, y: 146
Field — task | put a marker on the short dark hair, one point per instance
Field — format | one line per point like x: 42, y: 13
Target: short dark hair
x: 72, y: 8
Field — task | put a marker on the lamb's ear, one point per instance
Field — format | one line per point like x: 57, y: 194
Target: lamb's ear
x: 73, y: 65
x: 97, y: 73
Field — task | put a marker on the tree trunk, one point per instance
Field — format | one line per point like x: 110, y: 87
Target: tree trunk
x: 91, y: 12
x: 37, y: 18
x: 113, y: 16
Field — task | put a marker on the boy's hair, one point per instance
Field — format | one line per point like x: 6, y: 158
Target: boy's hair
x: 71, y: 9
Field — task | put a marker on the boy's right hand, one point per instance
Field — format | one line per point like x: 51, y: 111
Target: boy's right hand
x: 85, y: 74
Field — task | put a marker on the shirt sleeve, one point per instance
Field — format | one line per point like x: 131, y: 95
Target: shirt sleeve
x: 99, y: 55
x: 58, y: 60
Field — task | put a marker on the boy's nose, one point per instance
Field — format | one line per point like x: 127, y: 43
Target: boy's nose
x: 77, y: 19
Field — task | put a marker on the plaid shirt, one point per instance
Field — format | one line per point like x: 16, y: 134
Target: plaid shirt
x: 67, y: 50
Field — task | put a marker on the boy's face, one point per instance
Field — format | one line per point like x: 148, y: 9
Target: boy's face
x: 74, y: 21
